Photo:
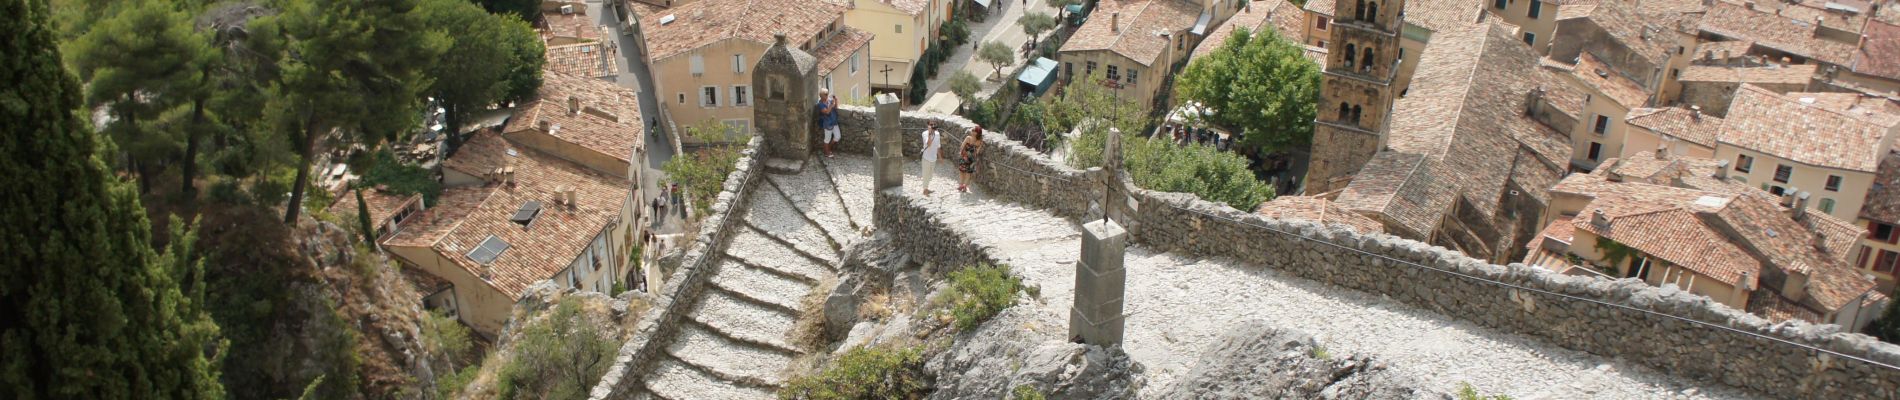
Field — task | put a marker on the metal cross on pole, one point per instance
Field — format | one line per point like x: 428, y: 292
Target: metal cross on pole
x: 887, y: 74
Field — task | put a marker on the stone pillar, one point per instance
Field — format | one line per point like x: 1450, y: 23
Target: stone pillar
x: 887, y: 144
x: 1100, y: 281
x: 785, y: 86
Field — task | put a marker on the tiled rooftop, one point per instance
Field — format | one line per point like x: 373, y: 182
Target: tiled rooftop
x: 704, y: 22
x: 1595, y: 74
x: 1140, y: 20
x: 1773, y: 31
x: 908, y: 7
x: 1816, y: 246
x: 1401, y: 189
x: 1442, y: 15
x: 1321, y: 7
x: 840, y: 47
x: 1680, y: 123
x: 382, y: 205
x: 1883, y: 200
x: 1798, y: 130
x: 556, y: 237
x: 578, y: 25
x: 1280, y: 16
x: 608, y: 120
x: 1318, y: 210
x: 593, y: 60
x: 1646, y: 40
x: 1773, y: 74
x: 1722, y: 49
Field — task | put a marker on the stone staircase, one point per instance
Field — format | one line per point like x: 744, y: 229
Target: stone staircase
x: 735, y: 342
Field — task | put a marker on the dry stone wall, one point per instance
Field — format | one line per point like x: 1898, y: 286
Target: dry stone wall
x: 1624, y: 319
x: 673, y: 301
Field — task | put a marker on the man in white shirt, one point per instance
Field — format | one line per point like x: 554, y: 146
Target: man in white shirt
x: 932, y: 144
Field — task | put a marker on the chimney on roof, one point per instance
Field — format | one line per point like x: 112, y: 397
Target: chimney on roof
x: 1721, y: 170
x: 1115, y: 22
x: 573, y: 105
x: 508, y: 175
x: 1817, y: 25
x: 1745, y: 284
x: 1599, y: 219
x: 1800, y: 210
x: 1750, y: 6
x: 1662, y: 151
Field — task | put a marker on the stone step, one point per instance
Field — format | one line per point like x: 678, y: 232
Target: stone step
x: 829, y: 261
x: 771, y: 214
x: 812, y: 193
x: 743, y: 318
x: 851, y: 177
x: 757, y: 249
x: 672, y: 379
x: 708, y: 348
x: 756, y: 283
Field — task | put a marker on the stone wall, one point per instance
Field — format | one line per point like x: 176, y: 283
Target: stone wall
x: 674, y: 299
x: 1008, y: 170
x: 924, y: 236
x: 1623, y: 319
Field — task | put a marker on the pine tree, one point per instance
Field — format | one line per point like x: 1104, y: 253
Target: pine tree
x: 90, y: 309
x: 141, y: 61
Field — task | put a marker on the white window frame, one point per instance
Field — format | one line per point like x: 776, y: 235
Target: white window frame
x: 854, y: 63
x: 741, y: 95
x: 709, y: 96
x: 696, y: 65
x: 738, y: 63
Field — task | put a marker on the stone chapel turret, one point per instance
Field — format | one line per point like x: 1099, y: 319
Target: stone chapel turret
x: 786, y: 79
x: 1356, y: 92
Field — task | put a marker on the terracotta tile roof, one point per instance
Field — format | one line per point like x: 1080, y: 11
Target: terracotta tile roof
x: 1777, y: 309
x: 1816, y: 245
x: 1874, y: 109
x: 839, y: 47
x: 1318, y: 210
x: 1774, y: 74
x: 608, y: 121
x: 1786, y: 127
x: 1888, y: 13
x: 1883, y: 199
x: 1879, y: 53
x: 1321, y: 7
x: 1646, y: 40
x: 1680, y: 15
x: 1559, y: 230
x: 382, y: 205
x: 1723, y: 49
x: 1777, y: 32
x: 703, y: 22
x: 1400, y: 189
x: 1680, y: 123
x: 1559, y: 92
x: 575, y: 26
x: 1814, y: 10
x: 592, y: 60
x: 1465, y: 109
x: 547, y: 245
x: 1662, y: 222
x: 1441, y: 15
x: 1595, y: 74
x: 1140, y: 20
x: 1280, y: 16
x: 908, y: 7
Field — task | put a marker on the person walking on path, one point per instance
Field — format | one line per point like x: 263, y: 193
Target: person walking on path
x: 933, y: 143
x: 967, y: 155
x: 828, y: 119
x: 678, y: 200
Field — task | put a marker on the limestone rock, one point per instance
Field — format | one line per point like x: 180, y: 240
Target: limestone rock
x: 1257, y: 361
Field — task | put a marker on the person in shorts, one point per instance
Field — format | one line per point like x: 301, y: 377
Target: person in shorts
x: 828, y: 119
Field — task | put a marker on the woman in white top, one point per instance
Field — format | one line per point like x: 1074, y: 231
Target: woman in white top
x: 932, y: 143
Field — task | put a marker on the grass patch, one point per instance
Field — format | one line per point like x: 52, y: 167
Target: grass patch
x: 1026, y: 392
x: 808, y: 332
x: 1320, y: 352
x: 978, y: 293
x: 1466, y: 392
x: 864, y: 373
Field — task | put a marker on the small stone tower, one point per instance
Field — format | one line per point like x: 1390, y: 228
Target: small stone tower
x: 1356, y: 93
x: 786, y: 85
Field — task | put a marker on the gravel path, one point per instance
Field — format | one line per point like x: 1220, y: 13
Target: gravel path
x: 1180, y: 305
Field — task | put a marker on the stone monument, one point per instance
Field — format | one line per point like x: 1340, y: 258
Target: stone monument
x: 887, y: 148
x: 786, y: 85
x: 1100, y: 281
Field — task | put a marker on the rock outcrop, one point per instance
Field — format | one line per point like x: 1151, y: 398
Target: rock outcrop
x: 1257, y: 361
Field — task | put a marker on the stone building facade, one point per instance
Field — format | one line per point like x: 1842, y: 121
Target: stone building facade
x: 1357, y: 90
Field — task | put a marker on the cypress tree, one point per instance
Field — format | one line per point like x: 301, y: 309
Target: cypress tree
x: 362, y: 219
x: 88, y: 309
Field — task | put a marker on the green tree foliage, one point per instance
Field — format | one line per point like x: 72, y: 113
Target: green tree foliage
x: 1259, y: 85
x: 1035, y: 23
x: 1887, y: 327
x: 1026, y: 392
x: 142, y: 62
x: 347, y: 68
x: 965, y: 85
x: 702, y: 174
x: 526, y: 10
x: 492, y: 58
x: 978, y: 293
x: 864, y: 373
x: 362, y: 218
x: 390, y: 174
x: 559, y: 357
x: 1061, y: 6
x: 997, y: 54
x: 91, y: 309
x: 1153, y: 164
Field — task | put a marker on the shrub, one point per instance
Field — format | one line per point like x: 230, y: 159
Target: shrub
x: 559, y: 357
x: 864, y: 373
x: 980, y: 292
x: 1026, y: 392
x: 1466, y: 392
x: 395, y: 177
x: 1887, y: 327
x: 1212, y: 174
x: 702, y: 174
